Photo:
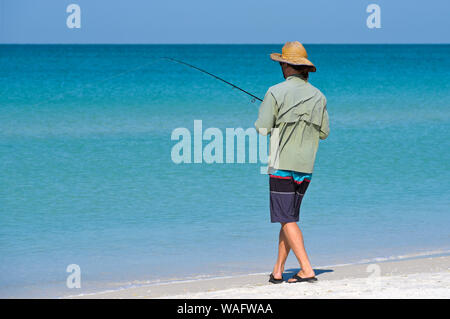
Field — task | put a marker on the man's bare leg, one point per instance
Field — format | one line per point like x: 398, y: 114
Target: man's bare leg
x: 283, y: 252
x: 294, y: 237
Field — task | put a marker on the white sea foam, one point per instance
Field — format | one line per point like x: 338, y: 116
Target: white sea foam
x: 192, y: 279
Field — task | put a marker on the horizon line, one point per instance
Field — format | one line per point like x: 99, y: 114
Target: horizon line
x: 281, y: 43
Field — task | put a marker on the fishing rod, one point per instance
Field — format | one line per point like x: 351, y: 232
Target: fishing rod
x: 215, y: 76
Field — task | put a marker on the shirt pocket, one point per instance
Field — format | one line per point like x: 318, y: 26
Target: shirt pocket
x: 294, y: 114
x: 309, y: 112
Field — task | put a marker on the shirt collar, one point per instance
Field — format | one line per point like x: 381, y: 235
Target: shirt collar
x: 296, y: 77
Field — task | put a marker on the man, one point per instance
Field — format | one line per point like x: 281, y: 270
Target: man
x: 294, y: 114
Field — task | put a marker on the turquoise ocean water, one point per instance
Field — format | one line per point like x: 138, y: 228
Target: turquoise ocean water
x: 87, y: 177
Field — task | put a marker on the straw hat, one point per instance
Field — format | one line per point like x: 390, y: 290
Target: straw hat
x: 293, y: 53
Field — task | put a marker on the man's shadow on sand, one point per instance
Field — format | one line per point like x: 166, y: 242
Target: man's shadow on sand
x: 288, y: 273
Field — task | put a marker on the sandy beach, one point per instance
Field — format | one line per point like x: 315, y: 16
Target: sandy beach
x: 427, y: 277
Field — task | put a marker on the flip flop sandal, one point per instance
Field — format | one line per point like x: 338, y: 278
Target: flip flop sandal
x: 300, y: 279
x: 273, y: 280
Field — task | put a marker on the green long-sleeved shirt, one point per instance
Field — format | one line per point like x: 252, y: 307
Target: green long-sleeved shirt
x: 294, y: 113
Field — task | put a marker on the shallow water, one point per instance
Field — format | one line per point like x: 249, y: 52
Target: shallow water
x: 87, y: 176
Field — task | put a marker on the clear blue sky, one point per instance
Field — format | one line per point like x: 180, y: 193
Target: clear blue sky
x: 224, y: 21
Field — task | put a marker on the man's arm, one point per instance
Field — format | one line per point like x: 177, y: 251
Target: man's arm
x: 325, y: 126
x: 266, y: 116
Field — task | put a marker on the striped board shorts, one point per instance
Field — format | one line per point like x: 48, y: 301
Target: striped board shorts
x: 287, y: 189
